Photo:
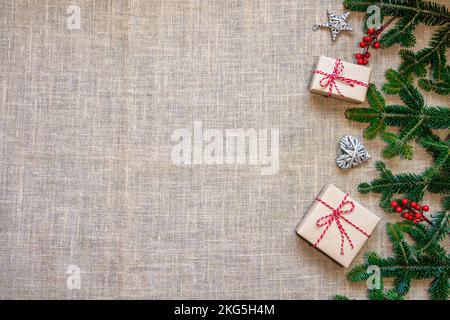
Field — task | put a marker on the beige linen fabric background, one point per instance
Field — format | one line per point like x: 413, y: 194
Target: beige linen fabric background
x: 86, y: 177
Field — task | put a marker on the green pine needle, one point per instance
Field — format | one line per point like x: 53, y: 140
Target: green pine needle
x: 442, y: 83
x: 435, y: 179
x: 414, y: 119
x: 407, y: 265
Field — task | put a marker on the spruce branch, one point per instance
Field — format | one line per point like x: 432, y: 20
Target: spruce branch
x: 407, y: 265
x: 435, y: 179
x: 377, y: 293
x: 434, y: 55
x: 441, y: 85
x: 415, y: 119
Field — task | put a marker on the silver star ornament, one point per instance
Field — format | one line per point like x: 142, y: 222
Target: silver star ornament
x: 336, y: 24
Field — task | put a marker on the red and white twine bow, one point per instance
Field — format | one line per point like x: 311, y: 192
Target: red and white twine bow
x: 337, y: 215
x: 329, y: 79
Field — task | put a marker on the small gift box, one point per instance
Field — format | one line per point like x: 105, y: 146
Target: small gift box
x: 339, y: 79
x: 337, y: 225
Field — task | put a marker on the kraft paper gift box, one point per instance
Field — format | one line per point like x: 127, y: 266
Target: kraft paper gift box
x: 339, y: 79
x: 335, y: 222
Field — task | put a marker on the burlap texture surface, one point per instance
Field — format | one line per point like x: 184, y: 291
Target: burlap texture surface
x: 86, y: 176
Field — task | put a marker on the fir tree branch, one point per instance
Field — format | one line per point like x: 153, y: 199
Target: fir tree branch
x: 415, y: 119
x: 440, y: 87
x: 442, y: 83
x: 413, y: 186
x: 440, y: 286
x: 435, y: 55
x: 407, y: 265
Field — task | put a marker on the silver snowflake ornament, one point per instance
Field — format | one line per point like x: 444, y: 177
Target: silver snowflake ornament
x: 351, y: 153
x: 336, y: 24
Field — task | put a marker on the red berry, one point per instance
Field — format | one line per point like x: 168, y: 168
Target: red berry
x: 415, y: 221
x: 418, y: 207
x: 370, y: 31
x: 367, y: 55
x: 398, y: 209
x: 365, y: 61
x: 376, y: 45
x: 362, y: 44
x: 406, y: 215
x: 394, y: 204
x: 367, y: 39
x: 418, y: 215
x: 405, y: 202
x: 360, y: 61
x: 358, y: 56
x: 425, y: 208
x: 413, y: 204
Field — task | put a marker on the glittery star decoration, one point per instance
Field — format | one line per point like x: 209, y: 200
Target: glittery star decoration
x: 336, y: 24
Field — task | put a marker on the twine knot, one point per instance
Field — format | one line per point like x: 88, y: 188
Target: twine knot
x: 329, y: 79
x: 336, y: 215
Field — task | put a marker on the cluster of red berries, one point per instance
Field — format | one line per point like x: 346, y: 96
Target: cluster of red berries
x: 411, y: 210
x: 370, y: 39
